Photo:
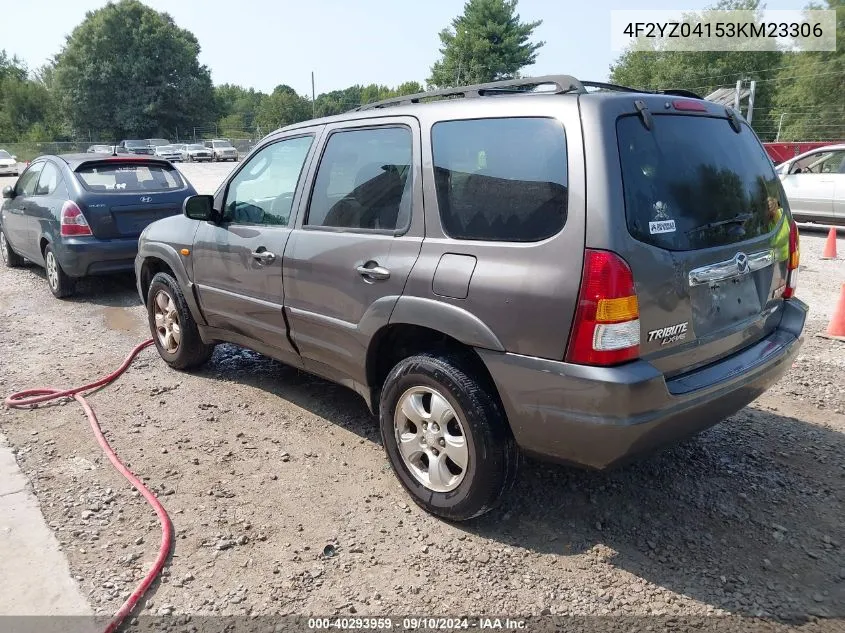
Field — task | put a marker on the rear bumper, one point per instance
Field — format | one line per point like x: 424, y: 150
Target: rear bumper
x: 11, y: 170
x: 83, y: 256
x: 600, y: 417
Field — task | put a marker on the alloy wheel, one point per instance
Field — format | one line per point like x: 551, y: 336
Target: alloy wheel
x: 431, y: 439
x: 167, y: 324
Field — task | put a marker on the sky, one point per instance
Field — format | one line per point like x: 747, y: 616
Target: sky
x: 264, y: 43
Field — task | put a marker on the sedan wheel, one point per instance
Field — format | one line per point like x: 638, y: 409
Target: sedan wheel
x: 60, y: 284
x: 167, y: 322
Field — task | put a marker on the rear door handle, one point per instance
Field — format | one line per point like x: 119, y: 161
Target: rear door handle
x: 265, y: 257
x: 374, y: 272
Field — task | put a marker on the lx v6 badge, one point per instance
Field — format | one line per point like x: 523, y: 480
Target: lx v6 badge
x: 669, y: 334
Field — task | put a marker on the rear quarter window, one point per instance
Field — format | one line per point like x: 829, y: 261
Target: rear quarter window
x: 501, y: 179
x: 124, y: 178
x: 691, y: 182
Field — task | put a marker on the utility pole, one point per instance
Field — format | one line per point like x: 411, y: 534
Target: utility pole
x: 780, y: 125
x: 751, y: 101
x: 737, y: 94
x: 313, y: 97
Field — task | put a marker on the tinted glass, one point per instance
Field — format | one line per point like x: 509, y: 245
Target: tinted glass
x: 26, y: 184
x: 49, y: 180
x: 135, y: 144
x: 501, y: 179
x: 364, y: 181
x: 197, y: 146
x: 692, y: 182
x: 123, y: 178
x: 262, y: 192
x: 222, y: 144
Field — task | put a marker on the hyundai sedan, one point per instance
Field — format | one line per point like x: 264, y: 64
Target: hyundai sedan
x: 81, y: 214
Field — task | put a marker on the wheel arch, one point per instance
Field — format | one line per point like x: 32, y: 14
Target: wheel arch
x: 158, y: 257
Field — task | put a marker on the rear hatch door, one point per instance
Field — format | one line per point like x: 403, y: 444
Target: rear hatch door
x: 708, y: 227
x: 123, y: 196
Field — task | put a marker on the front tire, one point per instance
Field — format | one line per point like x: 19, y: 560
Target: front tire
x: 446, y: 437
x: 172, y: 325
x: 10, y: 258
x: 57, y: 279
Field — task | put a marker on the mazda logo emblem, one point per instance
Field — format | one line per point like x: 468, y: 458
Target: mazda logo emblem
x: 741, y: 260
x: 146, y: 199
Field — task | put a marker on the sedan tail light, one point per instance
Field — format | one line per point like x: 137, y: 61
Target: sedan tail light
x: 73, y: 223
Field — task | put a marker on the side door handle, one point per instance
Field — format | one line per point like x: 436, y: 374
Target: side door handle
x: 373, y: 272
x: 265, y: 257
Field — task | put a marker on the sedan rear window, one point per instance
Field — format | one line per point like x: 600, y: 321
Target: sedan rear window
x: 122, y: 178
x: 691, y: 182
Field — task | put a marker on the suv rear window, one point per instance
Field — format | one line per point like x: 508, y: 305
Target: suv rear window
x: 501, y: 179
x: 691, y: 182
x: 129, y: 177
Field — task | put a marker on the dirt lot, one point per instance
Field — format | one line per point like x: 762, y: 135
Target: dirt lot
x: 261, y: 467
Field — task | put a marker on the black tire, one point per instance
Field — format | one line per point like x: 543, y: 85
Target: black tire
x: 57, y: 279
x: 10, y: 258
x: 493, y: 456
x: 190, y: 351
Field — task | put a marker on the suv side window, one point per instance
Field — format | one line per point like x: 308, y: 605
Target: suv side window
x: 26, y: 185
x: 49, y: 180
x: 364, y: 181
x: 262, y: 192
x: 501, y: 179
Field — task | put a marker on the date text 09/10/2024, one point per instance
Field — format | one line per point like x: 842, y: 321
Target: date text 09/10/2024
x: 415, y: 624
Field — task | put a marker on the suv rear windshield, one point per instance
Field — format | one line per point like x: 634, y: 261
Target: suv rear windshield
x: 135, y: 144
x: 691, y: 182
x: 124, y: 178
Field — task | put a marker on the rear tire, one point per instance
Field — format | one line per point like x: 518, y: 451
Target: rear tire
x: 10, y: 258
x: 60, y: 284
x: 452, y: 418
x: 172, y: 325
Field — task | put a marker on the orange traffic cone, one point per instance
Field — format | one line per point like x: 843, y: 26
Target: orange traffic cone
x: 830, y: 245
x: 836, y: 328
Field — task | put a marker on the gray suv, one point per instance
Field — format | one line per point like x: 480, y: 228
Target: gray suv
x: 582, y: 273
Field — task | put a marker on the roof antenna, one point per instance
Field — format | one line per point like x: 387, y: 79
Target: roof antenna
x: 114, y: 150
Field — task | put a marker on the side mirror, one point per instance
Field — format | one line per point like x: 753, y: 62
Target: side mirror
x: 8, y: 192
x: 199, y: 208
x: 14, y: 157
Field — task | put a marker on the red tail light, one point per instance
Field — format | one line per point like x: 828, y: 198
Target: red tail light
x: 689, y: 106
x: 606, y: 330
x: 73, y: 223
x: 793, y: 262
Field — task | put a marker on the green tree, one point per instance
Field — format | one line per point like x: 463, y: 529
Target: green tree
x: 811, y: 90
x: 128, y: 70
x: 645, y: 66
x: 282, y: 107
x: 487, y: 42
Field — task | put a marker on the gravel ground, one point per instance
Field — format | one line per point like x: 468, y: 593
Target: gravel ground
x: 263, y: 468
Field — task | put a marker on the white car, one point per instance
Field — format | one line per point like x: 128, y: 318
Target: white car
x: 814, y: 183
x: 222, y: 149
x: 8, y: 164
x: 168, y: 152
x: 195, y: 152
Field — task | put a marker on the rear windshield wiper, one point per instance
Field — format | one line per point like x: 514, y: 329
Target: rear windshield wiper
x: 740, y: 219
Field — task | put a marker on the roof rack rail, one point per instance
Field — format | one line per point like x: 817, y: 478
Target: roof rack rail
x: 563, y: 83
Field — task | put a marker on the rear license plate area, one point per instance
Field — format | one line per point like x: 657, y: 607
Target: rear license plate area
x: 720, y: 304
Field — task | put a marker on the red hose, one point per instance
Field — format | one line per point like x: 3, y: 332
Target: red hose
x: 26, y: 399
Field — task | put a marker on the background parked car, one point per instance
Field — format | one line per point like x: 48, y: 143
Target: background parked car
x: 81, y: 214
x: 157, y: 142
x: 815, y: 184
x: 8, y: 164
x: 168, y: 152
x: 221, y: 149
x: 100, y: 149
x: 195, y: 152
x: 137, y: 146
